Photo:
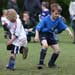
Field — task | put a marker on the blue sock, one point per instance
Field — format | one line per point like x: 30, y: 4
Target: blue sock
x: 11, y: 63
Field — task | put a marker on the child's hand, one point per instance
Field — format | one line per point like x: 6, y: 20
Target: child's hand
x: 71, y: 34
x: 36, y: 39
x: 9, y: 42
x: 30, y: 30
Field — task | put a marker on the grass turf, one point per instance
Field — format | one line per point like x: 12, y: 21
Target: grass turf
x: 66, y: 60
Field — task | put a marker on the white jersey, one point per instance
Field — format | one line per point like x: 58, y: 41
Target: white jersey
x: 72, y: 10
x: 18, y: 30
x: 4, y: 20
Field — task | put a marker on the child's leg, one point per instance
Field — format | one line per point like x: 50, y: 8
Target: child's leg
x: 54, y: 56
x: 24, y: 48
x: 42, y: 54
x: 11, y: 62
x: 14, y: 50
x: 24, y: 51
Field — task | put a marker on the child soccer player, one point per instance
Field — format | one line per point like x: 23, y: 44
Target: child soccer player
x: 18, y: 40
x: 45, y: 31
x: 44, y: 10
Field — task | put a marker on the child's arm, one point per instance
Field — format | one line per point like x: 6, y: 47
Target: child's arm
x: 69, y: 32
x: 10, y: 41
x: 36, y: 36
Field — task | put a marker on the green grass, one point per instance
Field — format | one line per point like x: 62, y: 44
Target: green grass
x: 66, y: 60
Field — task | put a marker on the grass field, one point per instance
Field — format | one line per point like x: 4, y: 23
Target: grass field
x: 66, y: 60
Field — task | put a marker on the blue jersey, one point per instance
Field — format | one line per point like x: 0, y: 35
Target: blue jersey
x: 49, y: 25
x: 43, y: 14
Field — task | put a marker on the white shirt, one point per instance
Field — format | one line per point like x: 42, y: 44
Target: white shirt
x: 17, y: 29
x: 72, y: 9
x: 4, y: 20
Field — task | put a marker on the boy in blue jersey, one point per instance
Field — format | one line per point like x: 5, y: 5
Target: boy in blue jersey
x: 45, y: 31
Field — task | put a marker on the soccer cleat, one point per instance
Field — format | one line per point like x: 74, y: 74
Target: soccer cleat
x: 25, y: 52
x: 7, y: 67
x: 40, y: 66
x: 53, y: 66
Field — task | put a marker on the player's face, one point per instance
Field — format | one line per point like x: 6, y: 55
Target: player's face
x: 13, y: 20
x: 11, y: 16
x: 25, y: 17
x: 55, y: 14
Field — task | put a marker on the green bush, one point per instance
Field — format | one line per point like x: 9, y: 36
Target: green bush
x: 63, y: 3
x: 65, y: 7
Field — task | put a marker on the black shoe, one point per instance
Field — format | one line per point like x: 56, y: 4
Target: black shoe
x: 52, y: 66
x: 25, y: 52
x: 10, y: 68
x: 40, y: 66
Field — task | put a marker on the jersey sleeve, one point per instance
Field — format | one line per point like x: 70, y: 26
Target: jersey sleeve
x: 61, y: 26
x: 40, y: 25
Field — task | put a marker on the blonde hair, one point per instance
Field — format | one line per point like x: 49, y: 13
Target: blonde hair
x: 4, y: 12
x: 11, y: 14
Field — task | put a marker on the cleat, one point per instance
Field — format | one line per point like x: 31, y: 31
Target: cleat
x: 25, y: 52
x: 53, y: 66
x: 10, y: 68
x: 39, y: 66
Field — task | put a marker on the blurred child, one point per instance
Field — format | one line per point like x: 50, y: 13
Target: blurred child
x: 44, y: 10
x: 18, y: 41
x: 29, y: 25
x: 5, y: 22
x: 72, y: 16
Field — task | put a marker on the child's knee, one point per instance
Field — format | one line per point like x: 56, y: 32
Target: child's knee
x: 13, y: 56
x: 45, y: 46
x: 57, y: 51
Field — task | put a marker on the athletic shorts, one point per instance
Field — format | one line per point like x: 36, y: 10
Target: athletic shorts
x: 14, y: 49
x: 50, y: 37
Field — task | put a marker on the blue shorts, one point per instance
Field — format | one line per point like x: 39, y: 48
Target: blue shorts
x: 51, y: 39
